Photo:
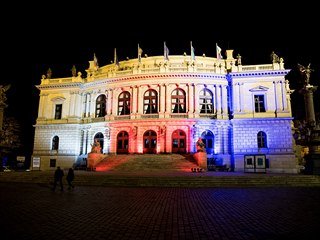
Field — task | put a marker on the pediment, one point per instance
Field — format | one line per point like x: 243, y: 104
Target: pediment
x: 259, y: 89
x: 58, y: 99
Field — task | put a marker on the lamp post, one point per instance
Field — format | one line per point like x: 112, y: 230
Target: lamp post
x: 312, y: 129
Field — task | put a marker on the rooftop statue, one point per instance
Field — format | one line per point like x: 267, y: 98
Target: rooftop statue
x: 274, y: 57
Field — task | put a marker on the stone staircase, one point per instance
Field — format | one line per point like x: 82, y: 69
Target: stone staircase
x: 162, y: 170
x: 147, y: 163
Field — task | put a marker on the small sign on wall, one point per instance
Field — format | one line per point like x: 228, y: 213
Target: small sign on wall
x: 36, y: 162
x: 21, y: 158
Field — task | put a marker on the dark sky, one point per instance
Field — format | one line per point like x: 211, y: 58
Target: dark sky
x: 60, y: 36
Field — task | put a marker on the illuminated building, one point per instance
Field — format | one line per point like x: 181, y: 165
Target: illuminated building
x: 154, y: 105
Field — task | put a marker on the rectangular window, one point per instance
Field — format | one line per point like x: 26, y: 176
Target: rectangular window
x: 58, y: 111
x: 53, y: 162
x: 259, y: 103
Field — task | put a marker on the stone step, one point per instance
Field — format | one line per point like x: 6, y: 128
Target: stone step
x: 168, y: 179
x: 162, y: 170
x: 146, y: 162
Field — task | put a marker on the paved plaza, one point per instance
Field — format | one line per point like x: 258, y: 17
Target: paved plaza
x: 32, y: 211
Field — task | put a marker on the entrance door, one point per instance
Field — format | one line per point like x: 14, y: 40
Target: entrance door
x: 150, y: 142
x: 123, y: 142
x: 178, y: 141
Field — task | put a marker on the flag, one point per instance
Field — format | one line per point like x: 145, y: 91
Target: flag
x: 193, y: 57
x: 166, y: 52
x: 116, y: 61
x: 139, y: 53
x: 218, y: 49
x: 95, y: 61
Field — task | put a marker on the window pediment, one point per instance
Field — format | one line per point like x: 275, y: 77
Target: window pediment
x: 259, y: 89
x: 58, y: 99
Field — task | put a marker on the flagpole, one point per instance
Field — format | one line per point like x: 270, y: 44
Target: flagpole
x: 217, y: 50
x: 191, y: 50
x: 193, y: 57
x: 164, y: 50
x: 139, y: 57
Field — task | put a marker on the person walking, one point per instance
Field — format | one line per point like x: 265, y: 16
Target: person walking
x: 58, y: 175
x: 70, y: 178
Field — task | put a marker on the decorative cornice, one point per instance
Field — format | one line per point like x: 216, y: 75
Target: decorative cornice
x: 260, y: 74
x: 166, y: 76
x: 59, y: 85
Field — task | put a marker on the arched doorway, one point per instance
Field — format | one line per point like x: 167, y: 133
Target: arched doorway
x: 99, y: 138
x: 150, y: 142
x: 178, y: 141
x: 123, y: 142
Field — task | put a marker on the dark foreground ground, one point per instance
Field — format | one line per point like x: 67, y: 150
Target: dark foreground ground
x: 32, y: 211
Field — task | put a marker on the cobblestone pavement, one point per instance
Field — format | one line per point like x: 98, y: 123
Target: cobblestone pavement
x: 33, y: 211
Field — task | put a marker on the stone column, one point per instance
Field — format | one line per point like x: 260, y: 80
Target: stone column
x: 279, y: 97
x: 191, y: 97
x: 134, y: 98
x: 168, y: 101
x: 162, y: 100
x: 42, y: 104
x: 241, y: 98
x: 236, y: 98
x: 224, y: 101
x: 109, y: 101
x: 196, y: 105
x: 218, y: 94
x: 72, y: 104
x: 77, y: 104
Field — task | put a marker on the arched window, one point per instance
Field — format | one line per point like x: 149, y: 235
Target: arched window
x: 262, y: 139
x: 150, y: 102
x: 178, y: 101
x: 206, y: 101
x: 55, y: 143
x: 124, y: 103
x: 101, y: 106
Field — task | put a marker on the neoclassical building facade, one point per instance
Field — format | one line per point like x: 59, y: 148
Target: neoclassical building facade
x: 154, y: 105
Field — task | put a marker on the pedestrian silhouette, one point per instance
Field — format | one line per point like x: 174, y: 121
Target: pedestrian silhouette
x: 70, y: 178
x: 58, y: 174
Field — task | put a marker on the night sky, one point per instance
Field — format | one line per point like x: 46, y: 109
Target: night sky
x: 59, y: 37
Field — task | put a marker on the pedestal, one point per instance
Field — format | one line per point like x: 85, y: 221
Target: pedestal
x: 201, y: 159
x: 94, y: 159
